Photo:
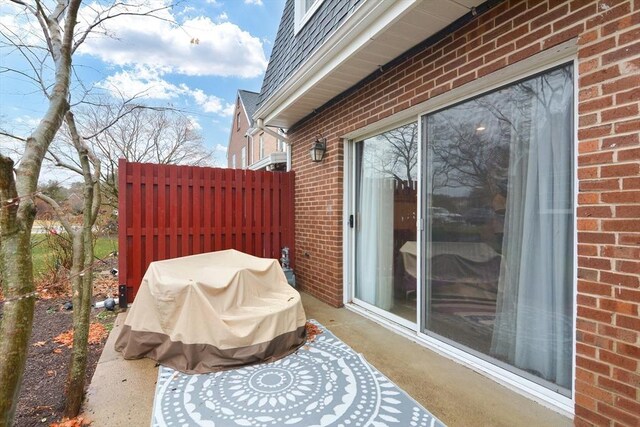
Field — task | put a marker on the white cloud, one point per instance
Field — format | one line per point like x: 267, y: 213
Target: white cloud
x: 146, y: 82
x: 222, y: 17
x: 141, y: 81
x: 211, y: 103
x: 198, y: 46
x: 220, y: 148
x: 256, y: 2
x: 20, y: 26
x: 193, y: 121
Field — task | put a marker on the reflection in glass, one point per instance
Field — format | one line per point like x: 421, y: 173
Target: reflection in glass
x: 499, y: 238
x: 386, y: 221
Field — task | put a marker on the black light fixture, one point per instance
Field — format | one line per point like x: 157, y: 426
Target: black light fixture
x: 318, y: 149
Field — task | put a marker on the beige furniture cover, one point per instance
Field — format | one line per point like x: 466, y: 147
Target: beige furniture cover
x: 214, y: 311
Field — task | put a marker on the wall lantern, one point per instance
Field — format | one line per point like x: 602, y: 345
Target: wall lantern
x: 318, y: 149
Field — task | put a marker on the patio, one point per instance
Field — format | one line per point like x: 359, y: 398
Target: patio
x: 121, y: 392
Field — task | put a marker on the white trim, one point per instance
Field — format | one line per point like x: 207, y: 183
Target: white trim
x: 348, y: 242
x: 300, y: 18
x: 348, y: 208
x: 365, y: 22
x: 420, y: 297
x: 575, y: 221
x: 277, y: 157
x: 385, y: 314
x: 540, y: 62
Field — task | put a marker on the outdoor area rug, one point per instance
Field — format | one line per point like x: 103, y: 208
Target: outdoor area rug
x: 325, y: 383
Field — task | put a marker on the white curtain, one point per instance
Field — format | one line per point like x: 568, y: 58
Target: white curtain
x: 374, y: 254
x: 533, y: 327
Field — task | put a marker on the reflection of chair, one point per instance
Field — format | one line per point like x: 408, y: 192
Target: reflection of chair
x: 409, y: 282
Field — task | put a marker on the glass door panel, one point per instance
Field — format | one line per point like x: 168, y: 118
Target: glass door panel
x: 499, y: 226
x: 385, y: 255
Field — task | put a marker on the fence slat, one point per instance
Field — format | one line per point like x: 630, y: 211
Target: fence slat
x: 197, y: 209
x: 123, y: 235
x: 168, y: 211
x: 208, y: 208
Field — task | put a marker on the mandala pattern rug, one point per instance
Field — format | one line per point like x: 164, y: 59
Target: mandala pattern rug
x: 325, y: 383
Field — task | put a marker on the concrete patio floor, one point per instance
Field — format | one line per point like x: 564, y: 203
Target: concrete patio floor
x: 121, y: 391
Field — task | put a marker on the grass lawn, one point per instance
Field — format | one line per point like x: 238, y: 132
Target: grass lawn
x: 42, y: 253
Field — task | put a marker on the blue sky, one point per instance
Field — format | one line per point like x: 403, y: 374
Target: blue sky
x: 218, y: 47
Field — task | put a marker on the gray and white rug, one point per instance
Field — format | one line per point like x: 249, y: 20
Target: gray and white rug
x: 325, y: 383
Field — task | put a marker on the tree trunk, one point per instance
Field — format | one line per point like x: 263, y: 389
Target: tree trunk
x: 81, y: 323
x: 17, y: 285
x: 17, y: 212
x: 83, y: 283
x: 80, y: 329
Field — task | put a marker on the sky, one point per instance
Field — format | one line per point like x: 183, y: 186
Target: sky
x: 194, y: 58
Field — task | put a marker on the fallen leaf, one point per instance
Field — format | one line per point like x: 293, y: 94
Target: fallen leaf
x: 97, y: 333
x: 312, y: 331
x: 79, y: 421
x: 57, y: 351
x: 52, y: 373
x: 65, y: 338
x: 39, y: 343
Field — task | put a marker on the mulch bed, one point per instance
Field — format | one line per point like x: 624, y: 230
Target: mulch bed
x: 41, y: 399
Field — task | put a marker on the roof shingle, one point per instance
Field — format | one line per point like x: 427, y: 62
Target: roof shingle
x: 291, y: 50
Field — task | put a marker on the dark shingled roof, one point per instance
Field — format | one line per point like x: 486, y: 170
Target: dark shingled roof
x: 291, y: 50
x: 250, y: 101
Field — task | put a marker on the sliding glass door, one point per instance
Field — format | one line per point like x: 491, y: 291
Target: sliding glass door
x: 498, y: 240
x: 385, y: 222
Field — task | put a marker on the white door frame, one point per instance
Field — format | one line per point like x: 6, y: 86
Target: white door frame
x: 540, y: 62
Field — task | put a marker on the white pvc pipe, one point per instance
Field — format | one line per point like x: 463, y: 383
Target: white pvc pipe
x: 101, y: 303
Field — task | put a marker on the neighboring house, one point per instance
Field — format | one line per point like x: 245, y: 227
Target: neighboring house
x: 480, y: 191
x: 249, y: 147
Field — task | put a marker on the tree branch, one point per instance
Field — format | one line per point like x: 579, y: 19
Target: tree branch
x: 99, y: 20
x: 58, y: 211
x: 12, y: 136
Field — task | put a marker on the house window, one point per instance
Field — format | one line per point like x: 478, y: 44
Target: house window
x: 261, y: 146
x: 304, y: 10
x: 243, y: 154
x: 498, y: 240
x: 250, y: 143
x: 238, y: 121
x: 233, y: 161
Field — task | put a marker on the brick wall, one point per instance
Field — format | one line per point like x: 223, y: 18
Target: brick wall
x: 608, y: 39
x: 237, y: 140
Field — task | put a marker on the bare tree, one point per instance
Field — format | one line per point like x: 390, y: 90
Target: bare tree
x: 47, y: 57
x: 403, y: 147
x: 82, y: 262
x: 138, y: 133
x: 397, y: 154
x: 17, y: 211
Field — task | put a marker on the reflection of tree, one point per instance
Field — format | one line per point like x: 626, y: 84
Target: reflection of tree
x: 470, y: 144
x: 462, y: 156
x: 396, y: 153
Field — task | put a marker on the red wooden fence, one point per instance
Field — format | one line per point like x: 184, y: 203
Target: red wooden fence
x: 168, y: 211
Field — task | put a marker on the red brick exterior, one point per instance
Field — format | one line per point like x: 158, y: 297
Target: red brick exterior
x: 608, y: 74
x: 238, y: 140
